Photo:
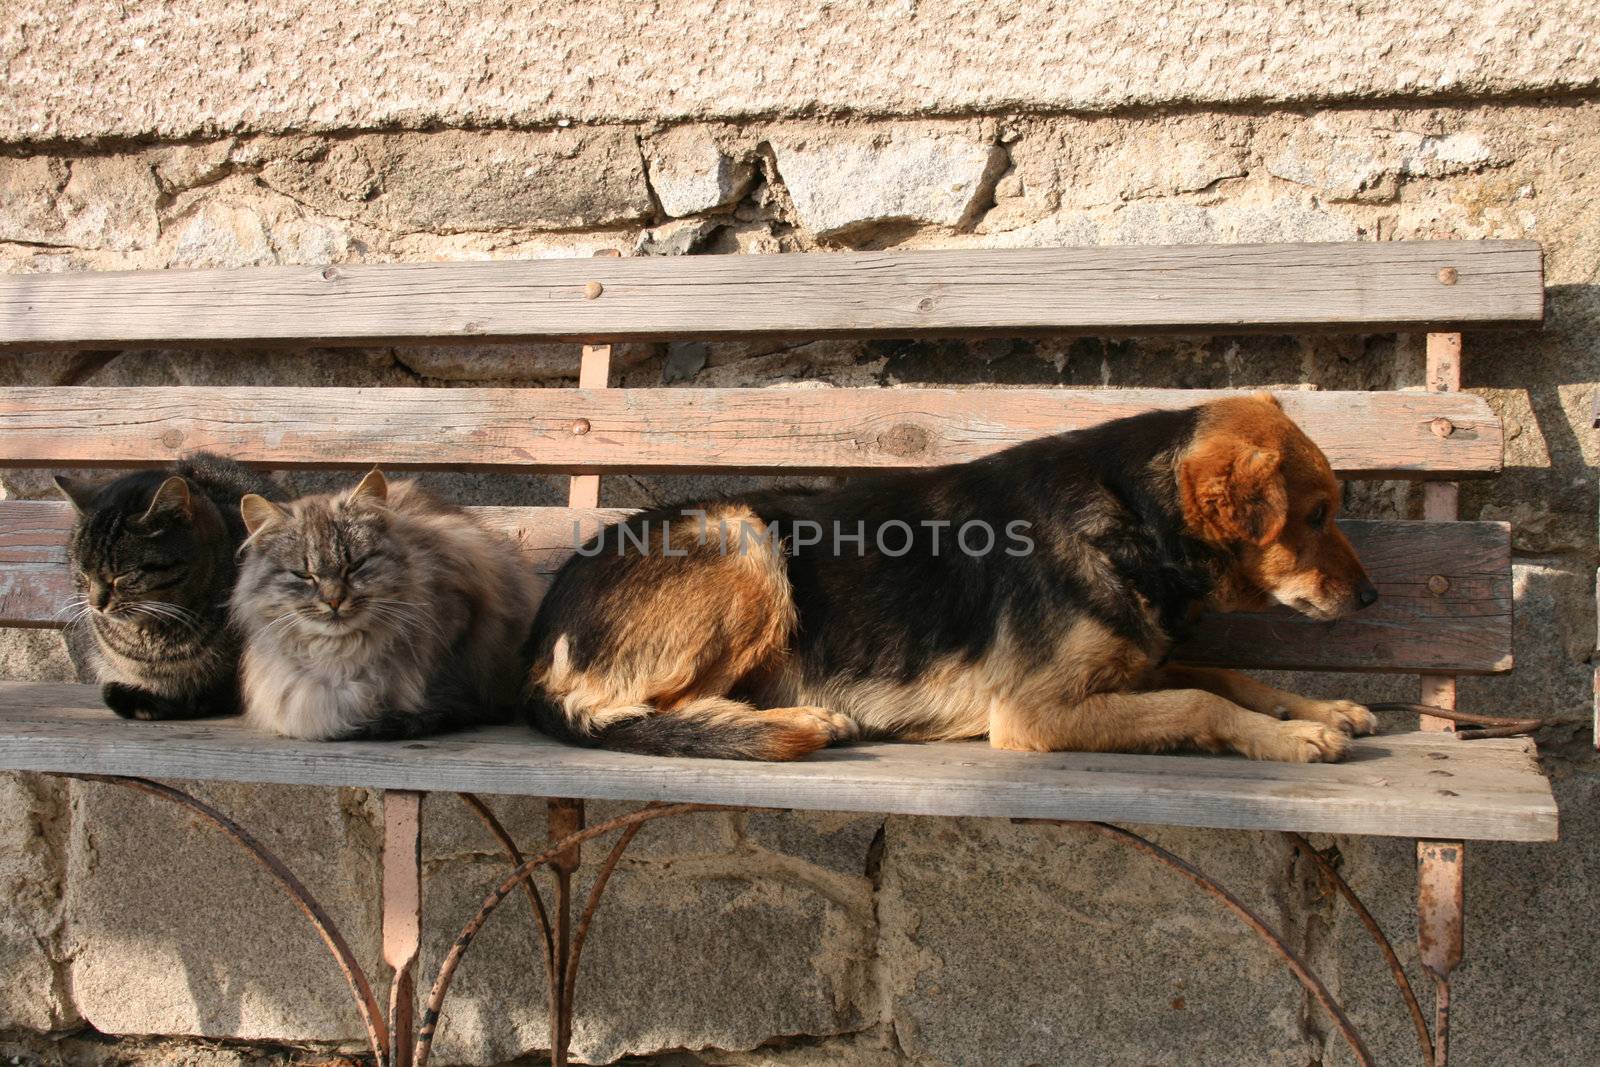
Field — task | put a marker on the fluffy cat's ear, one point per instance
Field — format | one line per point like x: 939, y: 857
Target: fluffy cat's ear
x: 172, y: 501
x: 374, y: 487
x: 78, y: 492
x: 258, y: 511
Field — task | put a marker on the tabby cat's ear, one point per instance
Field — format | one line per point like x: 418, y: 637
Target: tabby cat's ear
x: 172, y: 501
x: 374, y: 487
x: 258, y: 511
x: 79, y: 493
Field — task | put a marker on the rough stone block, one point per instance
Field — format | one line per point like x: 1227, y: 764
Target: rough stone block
x: 172, y: 930
x: 483, y: 66
x: 1554, y: 637
x: 677, y: 238
x: 843, y: 181
x: 461, y: 180
x: 1347, y: 159
x: 92, y: 202
x: 29, y: 189
x: 691, y: 173
x: 34, y: 656
x: 33, y: 994
x: 1013, y: 945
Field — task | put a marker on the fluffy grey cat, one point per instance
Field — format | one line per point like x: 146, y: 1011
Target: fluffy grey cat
x: 379, y: 612
x: 153, y: 562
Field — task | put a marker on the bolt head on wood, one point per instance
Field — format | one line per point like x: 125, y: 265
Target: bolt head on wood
x: 580, y: 427
x: 1448, y: 275
x: 1438, y: 585
x: 592, y: 290
x: 1442, y: 427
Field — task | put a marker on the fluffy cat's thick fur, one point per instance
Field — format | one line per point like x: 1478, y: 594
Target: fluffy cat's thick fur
x: 378, y: 613
x: 153, y: 560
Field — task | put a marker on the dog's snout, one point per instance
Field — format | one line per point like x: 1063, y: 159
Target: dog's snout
x: 1367, y: 594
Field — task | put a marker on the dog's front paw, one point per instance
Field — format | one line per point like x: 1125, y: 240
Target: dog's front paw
x: 1344, y: 715
x: 1295, y: 742
x: 1315, y: 742
x: 131, y: 702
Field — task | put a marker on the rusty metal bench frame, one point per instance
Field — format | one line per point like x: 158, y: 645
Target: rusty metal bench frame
x: 1437, y: 288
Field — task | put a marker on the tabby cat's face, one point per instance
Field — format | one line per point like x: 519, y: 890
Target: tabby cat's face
x: 326, y: 566
x: 143, y: 550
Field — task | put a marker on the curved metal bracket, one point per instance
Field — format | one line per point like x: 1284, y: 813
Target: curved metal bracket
x: 514, y: 855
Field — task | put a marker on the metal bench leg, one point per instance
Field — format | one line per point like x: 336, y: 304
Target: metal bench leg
x: 402, y: 916
x: 565, y: 819
x: 1441, y: 916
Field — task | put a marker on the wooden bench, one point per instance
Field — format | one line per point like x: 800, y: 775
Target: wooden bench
x: 1446, y: 606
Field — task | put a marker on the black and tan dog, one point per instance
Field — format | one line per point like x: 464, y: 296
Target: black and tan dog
x: 1031, y: 596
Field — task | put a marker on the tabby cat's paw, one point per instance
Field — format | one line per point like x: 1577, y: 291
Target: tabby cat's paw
x: 131, y: 702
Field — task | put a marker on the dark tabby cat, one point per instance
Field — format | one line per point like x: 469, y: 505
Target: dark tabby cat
x: 377, y: 613
x: 153, y: 558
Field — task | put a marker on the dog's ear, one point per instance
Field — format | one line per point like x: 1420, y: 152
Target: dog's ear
x: 1234, y: 491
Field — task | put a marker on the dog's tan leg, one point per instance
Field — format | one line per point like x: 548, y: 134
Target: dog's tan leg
x: 1159, y: 720
x: 1245, y: 691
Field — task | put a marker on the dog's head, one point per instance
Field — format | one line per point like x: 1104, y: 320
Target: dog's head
x: 1254, y: 485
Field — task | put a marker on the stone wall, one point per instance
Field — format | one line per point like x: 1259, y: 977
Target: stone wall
x: 298, y: 133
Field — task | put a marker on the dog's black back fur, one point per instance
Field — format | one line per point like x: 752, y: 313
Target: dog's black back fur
x: 1109, y: 487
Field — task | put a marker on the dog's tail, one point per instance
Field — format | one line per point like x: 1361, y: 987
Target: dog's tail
x: 709, y: 728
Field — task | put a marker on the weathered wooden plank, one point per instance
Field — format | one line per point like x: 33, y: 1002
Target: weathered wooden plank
x: 34, y: 582
x: 1405, y: 785
x: 1383, y: 434
x: 1191, y: 288
x: 1465, y: 626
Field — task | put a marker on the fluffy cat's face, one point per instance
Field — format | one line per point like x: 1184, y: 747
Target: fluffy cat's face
x: 325, y: 566
x: 142, y: 551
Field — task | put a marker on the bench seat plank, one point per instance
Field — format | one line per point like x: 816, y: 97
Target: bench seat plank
x: 1466, y: 628
x: 1361, y: 286
x: 796, y: 431
x: 1429, y: 785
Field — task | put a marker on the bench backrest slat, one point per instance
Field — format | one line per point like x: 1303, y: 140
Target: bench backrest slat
x: 835, y: 431
x: 1283, y: 288
x: 1464, y: 626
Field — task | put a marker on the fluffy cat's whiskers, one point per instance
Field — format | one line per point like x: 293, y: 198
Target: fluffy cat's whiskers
x: 405, y: 613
